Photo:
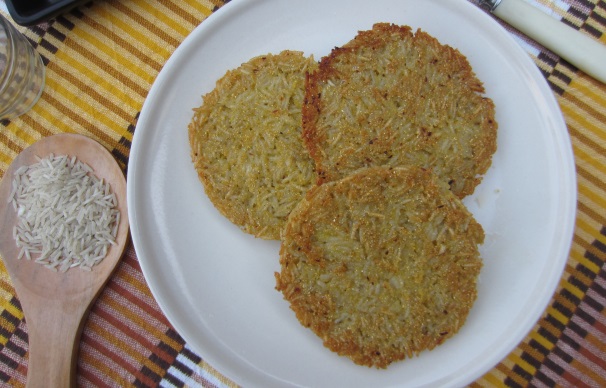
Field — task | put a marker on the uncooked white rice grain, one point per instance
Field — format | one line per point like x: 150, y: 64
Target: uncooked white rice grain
x: 64, y: 213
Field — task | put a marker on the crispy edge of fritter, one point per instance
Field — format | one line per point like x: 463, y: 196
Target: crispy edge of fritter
x: 312, y: 307
x: 378, y: 36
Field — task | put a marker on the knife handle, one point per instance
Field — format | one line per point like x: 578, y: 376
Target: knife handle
x: 584, y: 52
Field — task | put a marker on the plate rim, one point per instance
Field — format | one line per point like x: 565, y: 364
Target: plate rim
x: 534, y: 73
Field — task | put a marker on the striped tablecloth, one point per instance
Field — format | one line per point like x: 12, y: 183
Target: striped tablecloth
x: 101, y: 61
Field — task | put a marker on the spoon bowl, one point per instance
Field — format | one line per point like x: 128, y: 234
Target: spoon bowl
x: 55, y: 303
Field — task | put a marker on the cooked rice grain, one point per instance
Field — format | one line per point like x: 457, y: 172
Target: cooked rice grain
x: 246, y: 142
x: 381, y: 265
x: 393, y: 97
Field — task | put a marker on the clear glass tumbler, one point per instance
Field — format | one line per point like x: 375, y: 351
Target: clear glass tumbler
x: 21, y: 72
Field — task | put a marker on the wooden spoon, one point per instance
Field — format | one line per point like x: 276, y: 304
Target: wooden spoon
x: 54, y: 303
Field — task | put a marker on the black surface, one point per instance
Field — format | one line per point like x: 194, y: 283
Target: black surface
x: 32, y: 12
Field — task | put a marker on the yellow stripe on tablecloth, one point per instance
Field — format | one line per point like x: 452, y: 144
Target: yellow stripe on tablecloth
x: 5, y: 297
x: 7, y: 155
x: 558, y: 315
x: 596, y: 165
x: 113, y: 57
x: 581, y: 259
x: 105, y: 31
x: 574, y: 290
x: 544, y: 342
x: 494, y: 378
x: 119, y: 25
x: 101, y: 101
x: 142, y: 323
x: 585, y: 89
x: 158, y: 22
x: 144, y: 23
x: 584, y: 225
x: 519, y: 361
x: 506, y: 367
x: 591, y: 196
x: 108, y: 77
x: 127, y: 352
x: 584, y: 128
x: 6, y: 305
x: 107, y: 121
x: 184, y: 9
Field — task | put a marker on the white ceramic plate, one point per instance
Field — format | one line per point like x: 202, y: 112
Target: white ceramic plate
x: 216, y: 284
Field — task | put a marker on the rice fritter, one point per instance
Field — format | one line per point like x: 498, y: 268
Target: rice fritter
x: 382, y: 264
x: 393, y: 97
x: 246, y: 142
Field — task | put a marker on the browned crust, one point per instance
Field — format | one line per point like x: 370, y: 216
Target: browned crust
x: 381, y: 265
x: 461, y: 165
x: 248, y: 153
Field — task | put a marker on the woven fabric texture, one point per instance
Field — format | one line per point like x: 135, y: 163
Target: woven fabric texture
x: 101, y: 60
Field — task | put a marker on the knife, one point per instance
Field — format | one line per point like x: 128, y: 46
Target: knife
x: 582, y: 51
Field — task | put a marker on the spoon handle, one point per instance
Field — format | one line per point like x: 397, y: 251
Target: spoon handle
x: 53, y: 344
x: 588, y: 54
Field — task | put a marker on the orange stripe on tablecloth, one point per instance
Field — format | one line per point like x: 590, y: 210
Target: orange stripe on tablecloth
x: 550, y: 328
x: 152, y: 311
x: 564, y: 302
x: 592, y: 359
x: 584, y: 111
x: 577, y: 376
x: 585, y: 262
x: 156, y: 50
x: 91, y: 92
x: 589, y: 94
x: 103, y: 326
x: 489, y: 379
x: 103, y: 54
x: 589, y: 246
x: 590, y: 185
x: 148, y: 323
x: 124, y: 44
x: 6, y: 287
x: 589, y: 161
x: 511, y: 374
x: 85, y: 55
x: 131, y: 279
x: 163, y: 17
x: 591, y: 212
x: 558, y: 315
x: 90, y: 378
x: 541, y: 340
x: 124, y: 324
x: 591, y: 231
x: 32, y: 126
x: 93, y: 362
x: 523, y: 364
x: 145, y: 23
x: 573, y: 290
x: 135, y: 353
x: 132, y: 282
x: 59, y: 110
x: 5, y: 161
x: 145, y: 305
x: 153, y: 317
x: 115, y: 351
x: 596, y: 333
x: 186, y: 15
x: 9, y: 143
x: 20, y: 138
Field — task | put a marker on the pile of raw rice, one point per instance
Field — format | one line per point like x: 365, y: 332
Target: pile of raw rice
x: 66, y: 216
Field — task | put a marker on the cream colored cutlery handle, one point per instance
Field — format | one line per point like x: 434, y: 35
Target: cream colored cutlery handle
x: 588, y: 54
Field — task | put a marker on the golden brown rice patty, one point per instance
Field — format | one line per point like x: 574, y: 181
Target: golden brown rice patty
x: 246, y: 142
x: 391, y: 97
x: 382, y: 264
